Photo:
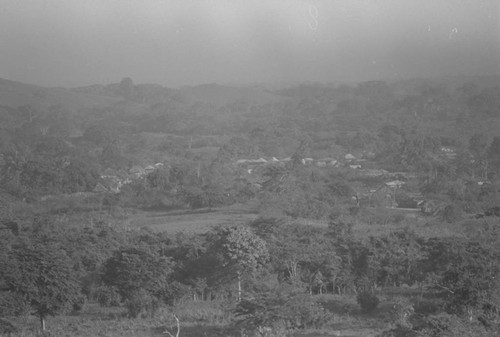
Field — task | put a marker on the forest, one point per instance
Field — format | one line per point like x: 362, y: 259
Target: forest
x: 356, y: 209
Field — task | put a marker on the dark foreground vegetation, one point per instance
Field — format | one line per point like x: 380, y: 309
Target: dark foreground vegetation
x: 369, y: 210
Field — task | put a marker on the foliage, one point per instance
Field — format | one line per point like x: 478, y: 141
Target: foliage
x: 367, y: 301
x: 141, y: 303
x: 42, y: 275
x: 132, y: 270
x: 107, y: 296
x: 282, y: 306
x: 467, y: 272
x: 452, y: 326
x: 13, y: 304
x: 241, y: 250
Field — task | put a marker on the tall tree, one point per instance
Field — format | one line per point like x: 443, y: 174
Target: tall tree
x: 242, y: 251
x: 494, y: 153
x: 478, y: 146
x: 127, y: 88
x: 43, y: 276
x: 132, y: 270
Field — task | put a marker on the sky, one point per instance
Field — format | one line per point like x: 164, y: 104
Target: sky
x: 187, y: 42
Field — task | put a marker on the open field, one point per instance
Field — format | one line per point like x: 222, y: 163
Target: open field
x: 190, y: 221
x: 201, y: 220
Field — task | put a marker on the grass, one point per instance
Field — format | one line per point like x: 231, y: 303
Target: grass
x: 208, y: 319
x: 190, y: 221
x: 197, y: 319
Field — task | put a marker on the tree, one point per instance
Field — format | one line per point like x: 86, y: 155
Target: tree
x: 242, y: 251
x: 494, y: 153
x: 478, y: 146
x: 79, y: 176
x: 135, y: 270
x: 43, y: 276
x: 467, y: 273
x: 127, y: 88
x: 398, y: 256
x: 41, y: 176
x: 101, y: 134
x: 160, y: 179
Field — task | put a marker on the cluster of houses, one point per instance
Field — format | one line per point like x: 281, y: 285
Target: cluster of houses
x: 112, y: 181
x: 348, y: 159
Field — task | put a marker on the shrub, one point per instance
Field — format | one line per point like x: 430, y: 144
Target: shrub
x: 13, y: 304
x: 402, y: 310
x: 7, y: 328
x: 107, y: 296
x: 427, y: 307
x: 367, y: 301
x: 79, y: 303
x: 445, y: 325
x: 283, y: 308
x: 142, y: 304
x: 400, y: 332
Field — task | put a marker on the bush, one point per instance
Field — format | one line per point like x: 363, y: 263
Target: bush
x: 284, y: 308
x: 7, y: 328
x: 445, y: 325
x: 427, y: 307
x: 107, y: 296
x: 142, y: 304
x: 80, y: 303
x: 401, y: 332
x: 367, y: 301
x: 402, y: 311
x: 13, y: 304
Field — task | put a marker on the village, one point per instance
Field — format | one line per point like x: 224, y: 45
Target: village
x: 379, y: 188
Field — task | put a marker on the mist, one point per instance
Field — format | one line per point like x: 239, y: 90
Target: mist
x: 174, y: 43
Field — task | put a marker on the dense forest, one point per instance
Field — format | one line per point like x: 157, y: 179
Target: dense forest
x: 366, y: 208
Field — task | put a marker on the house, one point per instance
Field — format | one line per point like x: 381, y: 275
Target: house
x: 355, y: 166
x: 148, y: 169
x: 429, y: 207
x: 373, y: 173
x: 369, y: 155
x: 349, y: 157
x: 137, y: 171
x: 326, y: 162
x: 307, y: 161
x: 409, y: 200
x: 100, y: 188
x: 242, y: 161
x: 449, y: 152
x: 111, y: 183
x: 395, y: 183
x: 384, y: 196
x: 259, y: 161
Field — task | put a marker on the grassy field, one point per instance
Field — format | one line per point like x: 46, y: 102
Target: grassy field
x: 375, y: 222
x: 190, y: 221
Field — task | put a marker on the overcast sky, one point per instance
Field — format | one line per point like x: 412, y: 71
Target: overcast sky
x: 81, y: 42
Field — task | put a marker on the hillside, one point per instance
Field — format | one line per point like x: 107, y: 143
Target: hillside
x: 305, y: 207
x: 15, y: 94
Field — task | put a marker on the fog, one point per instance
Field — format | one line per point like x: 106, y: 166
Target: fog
x: 74, y: 43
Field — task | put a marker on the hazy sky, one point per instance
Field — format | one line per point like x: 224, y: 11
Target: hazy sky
x: 81, y: 42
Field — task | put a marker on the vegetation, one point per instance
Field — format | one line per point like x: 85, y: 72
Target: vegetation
x: 372, y: 208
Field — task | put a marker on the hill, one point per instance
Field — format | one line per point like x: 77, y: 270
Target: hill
x: 15, y: 94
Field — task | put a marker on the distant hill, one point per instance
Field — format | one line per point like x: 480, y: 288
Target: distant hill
x: 15, y: 94
x: 221, y: 94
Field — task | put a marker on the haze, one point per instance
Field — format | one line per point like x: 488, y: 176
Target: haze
x: 75, y: 43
